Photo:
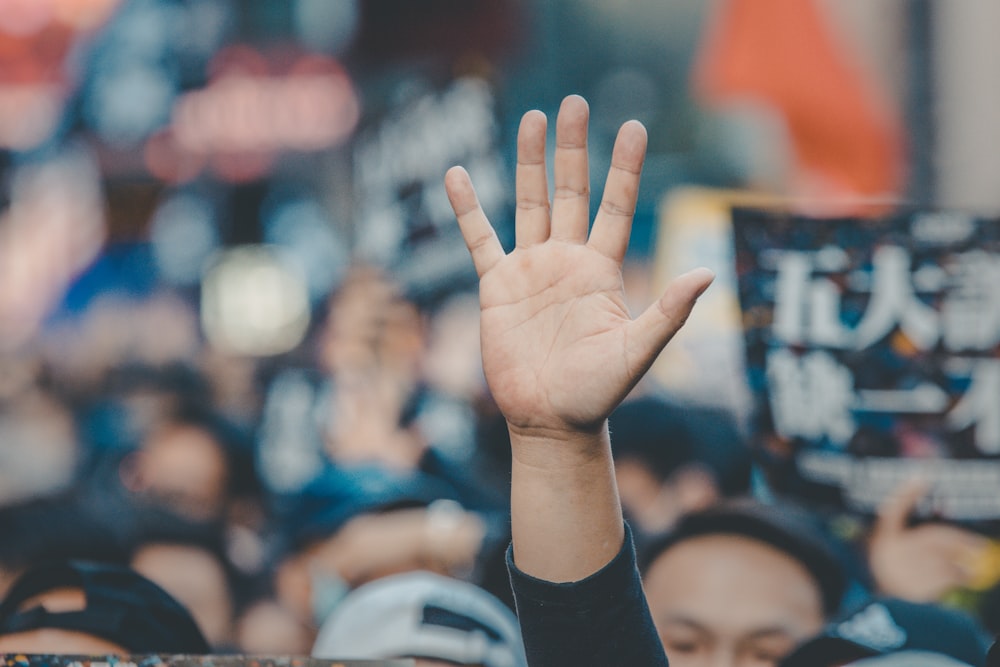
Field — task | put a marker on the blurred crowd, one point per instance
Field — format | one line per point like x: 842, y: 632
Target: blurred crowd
x: 306, y: 459
x: 261, y: 492
x: 257, y: 492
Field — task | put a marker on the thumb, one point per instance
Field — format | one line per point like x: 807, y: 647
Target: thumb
x: 652, y: 330
x: 896, y: 510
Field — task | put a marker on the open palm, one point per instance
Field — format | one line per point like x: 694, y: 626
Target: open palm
x: 560, y: 349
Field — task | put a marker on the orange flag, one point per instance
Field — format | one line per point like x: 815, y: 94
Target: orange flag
x: 846, y: 136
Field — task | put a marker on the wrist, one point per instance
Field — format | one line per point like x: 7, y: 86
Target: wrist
x: 559, y: 449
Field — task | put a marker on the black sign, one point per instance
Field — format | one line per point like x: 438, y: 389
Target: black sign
x: 403, y: 218
x: 873, y: 352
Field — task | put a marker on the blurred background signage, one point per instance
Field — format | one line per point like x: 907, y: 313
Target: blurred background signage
x: 871, y: 349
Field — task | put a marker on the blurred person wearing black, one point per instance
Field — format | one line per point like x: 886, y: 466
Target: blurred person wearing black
x: 183, y: 464
x: 672, y: 459
x: 124, y: 403
x: 189, y: 463
x: 186, y: 461
x: 195, y: 577
x: 83, y: 608
x: 56, y: 528
x: 188, y: 560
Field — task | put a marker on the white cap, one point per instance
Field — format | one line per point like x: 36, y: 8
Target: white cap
x: 422, y: 615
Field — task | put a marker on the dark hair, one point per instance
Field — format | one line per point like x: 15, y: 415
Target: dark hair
x: 665, y: 436
x: 54, y: 529
x: 783, y: 528
x: 234, y: 444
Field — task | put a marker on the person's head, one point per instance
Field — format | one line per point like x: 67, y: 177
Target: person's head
x: 739, y: 585
x: 672, y: 459
x: 88, y: 608
x: 183, y: 464
x: 437, y: 620
x: 891, y: 627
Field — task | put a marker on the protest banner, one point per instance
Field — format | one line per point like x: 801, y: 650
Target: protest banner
x: 873, y: 356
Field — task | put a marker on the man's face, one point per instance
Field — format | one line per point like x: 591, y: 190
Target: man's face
x: 730, y: 601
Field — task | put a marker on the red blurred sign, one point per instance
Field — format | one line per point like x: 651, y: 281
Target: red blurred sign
x: 248, y: 113
x: 36, y: 36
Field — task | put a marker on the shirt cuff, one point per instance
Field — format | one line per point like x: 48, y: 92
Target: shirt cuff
x: 610, y: 581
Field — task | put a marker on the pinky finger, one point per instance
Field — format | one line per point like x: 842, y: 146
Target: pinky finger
x: 482, y: 241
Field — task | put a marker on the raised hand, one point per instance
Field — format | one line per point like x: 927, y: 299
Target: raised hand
x: 560, y: 349
x: 920, y: 563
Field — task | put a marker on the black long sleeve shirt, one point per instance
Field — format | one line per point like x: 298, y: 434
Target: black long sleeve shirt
x: 602, y: 620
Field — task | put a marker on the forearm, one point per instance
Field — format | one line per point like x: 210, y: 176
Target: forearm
x: 566, y: 519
